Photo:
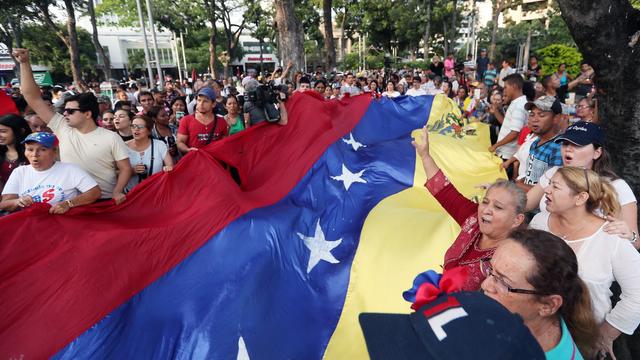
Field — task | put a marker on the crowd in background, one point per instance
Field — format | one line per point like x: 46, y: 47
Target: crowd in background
x: 69, y: 149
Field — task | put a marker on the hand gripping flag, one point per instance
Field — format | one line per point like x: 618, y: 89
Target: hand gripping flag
x: 331, y: 220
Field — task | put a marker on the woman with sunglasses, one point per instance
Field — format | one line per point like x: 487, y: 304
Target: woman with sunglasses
x: 483, y: 226
x: 582, y: 146
x: 535, y: 274
x: 147, y: 155
x: 586, y: 110
x: 576, y: 201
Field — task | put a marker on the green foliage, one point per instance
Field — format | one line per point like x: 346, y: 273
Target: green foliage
x: 510, y: 37
x: 554, y: 55
x: 350, y: 62
x: 374, y: 61
x: 423, y: 65
x: 48, y: 49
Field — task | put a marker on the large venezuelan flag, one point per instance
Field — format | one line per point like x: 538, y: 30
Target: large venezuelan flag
x: 331, y: 220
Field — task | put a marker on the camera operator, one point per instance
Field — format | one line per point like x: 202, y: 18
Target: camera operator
x: 260, y: 103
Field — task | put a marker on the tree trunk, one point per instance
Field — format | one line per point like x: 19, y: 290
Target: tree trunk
x: 74, y: 52
x: 106, y: 63
x: 454, y: 15
x: 607, y: 37
x: 16, y: 33
x: 329, y: 46
x: 427, y: 30
x: 445, y: 43
x: 212, y: 52
x: 343, y: 37
x: 210, y: 6
x: 495, y: 16
x: 290, y: 35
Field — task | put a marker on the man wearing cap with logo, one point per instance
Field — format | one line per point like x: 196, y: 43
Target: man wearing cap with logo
x: 98, y: 151
x: 544, y: 115
x: 45, y: 180
x: 200, y: 129
x: 457, y: 325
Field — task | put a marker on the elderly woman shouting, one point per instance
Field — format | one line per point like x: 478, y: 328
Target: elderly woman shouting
x: 483, y: 226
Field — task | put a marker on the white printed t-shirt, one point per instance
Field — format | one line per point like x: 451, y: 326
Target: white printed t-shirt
x: 61, y: 182
x: 514, y: 120
x: 95, y: 152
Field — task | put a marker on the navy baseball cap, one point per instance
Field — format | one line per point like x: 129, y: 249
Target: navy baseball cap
x: 582, y: 133
x: 462, y: 325
x: 208, y: 92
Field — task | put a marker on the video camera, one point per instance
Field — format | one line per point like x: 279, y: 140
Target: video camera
x: 265, y: 98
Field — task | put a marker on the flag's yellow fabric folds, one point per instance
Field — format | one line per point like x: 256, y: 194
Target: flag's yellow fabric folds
x: 409, y: 232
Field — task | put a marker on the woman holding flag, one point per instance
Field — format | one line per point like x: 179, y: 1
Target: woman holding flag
x: 483, y: 226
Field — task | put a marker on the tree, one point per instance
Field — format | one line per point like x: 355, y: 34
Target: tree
x: 427, y: 28
x: 290, y: 36
x: 556, y: 54
x: 499, y: 6
x: 48, y: 49
x: 329, y: 46
x: 10, y: 29
x: 106, y: 63
x: 609, y: 39
x: 69, y: 38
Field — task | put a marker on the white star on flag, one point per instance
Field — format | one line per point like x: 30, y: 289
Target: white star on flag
x: 356, y: 145
x: 243, y: 354
x: 348, y: 178
x: 319, y: 247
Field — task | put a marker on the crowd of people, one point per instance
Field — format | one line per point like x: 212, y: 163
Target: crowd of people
x: 71, y: 149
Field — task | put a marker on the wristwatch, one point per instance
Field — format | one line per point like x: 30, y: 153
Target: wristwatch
x: 634, y: 238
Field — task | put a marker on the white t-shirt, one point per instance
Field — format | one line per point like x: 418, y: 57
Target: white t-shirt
x: 428, y: 86
x: 514, y: 120
x: 144, y: 157
x: 503, y: 74
x: 95, y: 152
x: 603, y: 259
x: 414, y: 92
x: 625, y: 194
x: 391, y: 94
x: 61, y: 182
x: 523, y: 154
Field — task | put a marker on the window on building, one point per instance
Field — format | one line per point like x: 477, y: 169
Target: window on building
x: 106, y: 53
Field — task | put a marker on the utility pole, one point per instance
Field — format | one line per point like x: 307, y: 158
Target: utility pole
x: 146, y: 45
x: 155, y: 45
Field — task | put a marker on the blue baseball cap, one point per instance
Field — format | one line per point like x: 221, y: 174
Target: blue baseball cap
x: 461, y: 325
x: 582, y: 133
x: 208, y: 92
x: 45, y: 139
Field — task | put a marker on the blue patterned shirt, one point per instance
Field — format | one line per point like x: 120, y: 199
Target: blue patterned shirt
x: 540, y: 159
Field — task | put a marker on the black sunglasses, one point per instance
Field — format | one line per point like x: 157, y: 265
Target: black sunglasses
x: 71, y: 111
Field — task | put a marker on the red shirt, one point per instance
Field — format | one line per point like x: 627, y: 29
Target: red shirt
x: 464, y: 251
x: 199, y: 133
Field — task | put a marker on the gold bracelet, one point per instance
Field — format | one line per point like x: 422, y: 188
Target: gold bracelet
x: 69, y: 204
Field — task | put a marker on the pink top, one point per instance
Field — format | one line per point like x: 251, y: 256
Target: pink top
x: 464, y: 251
x: 449, y: 64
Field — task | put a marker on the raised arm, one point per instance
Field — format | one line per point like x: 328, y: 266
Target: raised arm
x: 430, y: 167
x: 29, y: 88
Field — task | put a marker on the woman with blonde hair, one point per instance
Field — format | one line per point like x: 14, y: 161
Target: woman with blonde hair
x: 577, y: 201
